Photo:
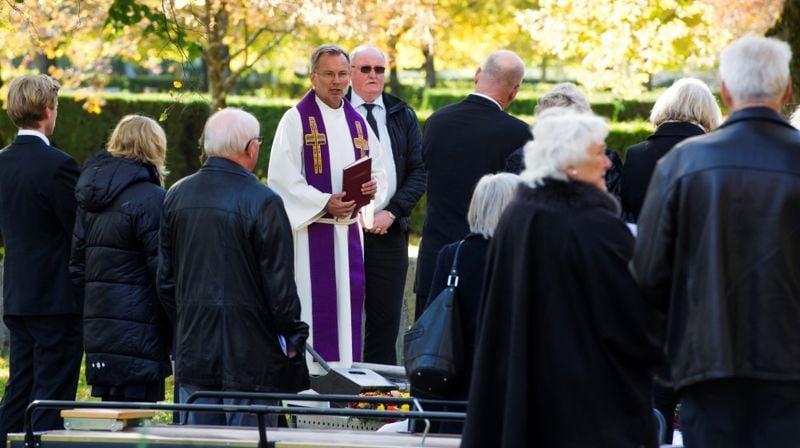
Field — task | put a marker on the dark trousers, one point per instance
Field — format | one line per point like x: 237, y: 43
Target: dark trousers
x: 225, y: 418
x: 666, y: 400
x: 740, y: 412
x: 44, y: 364
x: 385, y: 267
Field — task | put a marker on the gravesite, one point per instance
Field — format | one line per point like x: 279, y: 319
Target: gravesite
x: 400, y: 223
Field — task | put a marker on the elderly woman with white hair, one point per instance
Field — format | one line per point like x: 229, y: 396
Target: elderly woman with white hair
x: 566, y: 348
x: 686, y: 109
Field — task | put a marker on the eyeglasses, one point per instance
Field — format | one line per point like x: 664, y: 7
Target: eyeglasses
x: 365, y: 69
x: 260, y: 140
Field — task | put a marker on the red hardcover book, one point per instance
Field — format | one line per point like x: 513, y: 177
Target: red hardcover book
x: 353, y: 176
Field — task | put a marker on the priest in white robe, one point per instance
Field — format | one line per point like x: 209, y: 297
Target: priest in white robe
x: 313, y: 143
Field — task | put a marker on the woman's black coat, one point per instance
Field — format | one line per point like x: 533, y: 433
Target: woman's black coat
x: 566, y: 344
x: 640, y: 162
x: 115, y: 258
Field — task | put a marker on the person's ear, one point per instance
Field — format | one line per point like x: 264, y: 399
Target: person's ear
x: 787, y: 94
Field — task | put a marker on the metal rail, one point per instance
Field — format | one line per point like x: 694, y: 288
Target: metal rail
x: 31, y: 441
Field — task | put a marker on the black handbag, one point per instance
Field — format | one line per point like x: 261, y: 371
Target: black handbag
x: 433, y: 347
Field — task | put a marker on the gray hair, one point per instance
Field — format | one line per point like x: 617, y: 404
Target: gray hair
x: 329, y: 49
x: 688, y: 99
x: 560, y: 138
x: 565, y: 95
x: 228, y: 132
x: 490, y: 197
x: 504, y: 67
x: 755, y: 68
x: 795, y: 120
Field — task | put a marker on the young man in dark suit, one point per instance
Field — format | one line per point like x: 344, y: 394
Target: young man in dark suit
x: 461, y: 143
x: 42, y: 309
x: 386, y: 242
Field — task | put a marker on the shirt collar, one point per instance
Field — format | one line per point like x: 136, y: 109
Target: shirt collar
x: 488, y: 98
x: 34, y: 133
x: 356, y: 100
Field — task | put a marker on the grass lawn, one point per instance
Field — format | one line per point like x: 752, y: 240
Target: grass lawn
x: 84, y: 390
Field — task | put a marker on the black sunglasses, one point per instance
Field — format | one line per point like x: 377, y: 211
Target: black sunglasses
x: 379, y: 70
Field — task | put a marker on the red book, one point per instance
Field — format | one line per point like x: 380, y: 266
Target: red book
x: 353, y: 176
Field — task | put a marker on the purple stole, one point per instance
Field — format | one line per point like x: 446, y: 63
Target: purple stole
x: 316, y: 160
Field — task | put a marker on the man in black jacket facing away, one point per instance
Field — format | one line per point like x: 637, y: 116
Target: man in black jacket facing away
x: 226, y: 276
x: 37, y: 211
x: 460, y: 144
x: 386, y: 242
x: 718, y: 252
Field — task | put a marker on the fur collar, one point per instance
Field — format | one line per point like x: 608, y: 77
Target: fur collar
x: 558, y: 195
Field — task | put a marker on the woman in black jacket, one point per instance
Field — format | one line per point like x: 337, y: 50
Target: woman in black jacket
x: 126, y: 336
x: 492, y: 193
x: 566, y: 343
x: 686, y: 109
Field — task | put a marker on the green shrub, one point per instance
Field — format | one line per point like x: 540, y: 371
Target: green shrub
x: 81, y: 133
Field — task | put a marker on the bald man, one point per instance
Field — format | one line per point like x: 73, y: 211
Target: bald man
x: 460, y: 143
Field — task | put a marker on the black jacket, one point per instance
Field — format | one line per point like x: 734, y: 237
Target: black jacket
x: 226, y: 279
x: 471, y: 264
x: 37, y: 213
x: 460, y: 144
x: 640, y: 161
x: 127, y: 336
x: 718, y: 250
x: 566, y: 342
x: 406, y: 138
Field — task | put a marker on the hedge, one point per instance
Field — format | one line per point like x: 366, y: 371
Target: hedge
x: 81, y: 133
x: 525, y: 102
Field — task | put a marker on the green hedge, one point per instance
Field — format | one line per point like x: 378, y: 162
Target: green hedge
x: 525, y: 102
x: 82, y: 133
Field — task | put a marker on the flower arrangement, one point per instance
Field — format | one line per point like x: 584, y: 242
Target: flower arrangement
x: 383, y: 406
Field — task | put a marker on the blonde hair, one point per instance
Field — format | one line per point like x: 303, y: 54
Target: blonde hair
x: 688, y: 99
x: 28, y: 96
x: 140, y: 138
x: 490, y: 198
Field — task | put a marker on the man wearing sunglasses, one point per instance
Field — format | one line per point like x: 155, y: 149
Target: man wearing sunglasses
x: 313, y: 143
x: 386, y: 242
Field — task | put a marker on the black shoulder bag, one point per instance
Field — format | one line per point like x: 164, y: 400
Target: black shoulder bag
x: 433, y: 347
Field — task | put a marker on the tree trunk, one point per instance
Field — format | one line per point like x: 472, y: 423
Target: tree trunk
x: 786, y: 28
x: 543, y: 66
x: 391, y: 60
x: 428, y: 66
x: 44, y: 63
x: 216, y: 56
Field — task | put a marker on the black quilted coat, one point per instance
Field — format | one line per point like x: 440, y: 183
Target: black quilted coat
x: 115, y: 258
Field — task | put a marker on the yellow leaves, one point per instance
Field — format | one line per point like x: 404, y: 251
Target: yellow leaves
x: 621, y: 43
x: 177, y: 84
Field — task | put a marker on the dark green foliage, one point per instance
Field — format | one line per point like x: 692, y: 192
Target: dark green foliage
x: 627, y: 110
x: 81, y: 133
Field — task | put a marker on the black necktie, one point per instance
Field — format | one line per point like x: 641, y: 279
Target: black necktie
x: 371, y: 120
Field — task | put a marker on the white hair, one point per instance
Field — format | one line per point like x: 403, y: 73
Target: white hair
x: 492, y: 194
x: 795, y: 120
x: 228, y: 132
x: 688, y: 99
x: 560, y: 139
x: 755, y: 68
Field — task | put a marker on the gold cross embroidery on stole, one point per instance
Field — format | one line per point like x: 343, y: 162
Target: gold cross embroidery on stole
x: 315, y: 140
x: 360, y: 142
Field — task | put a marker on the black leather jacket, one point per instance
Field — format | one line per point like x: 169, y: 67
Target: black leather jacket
x: 226, y: 279
x: 718, y: 250
x: 406, y: 139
